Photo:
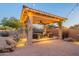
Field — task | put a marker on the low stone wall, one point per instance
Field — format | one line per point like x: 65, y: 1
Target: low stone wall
x: 74, y: 33
x: 53, y: 31
x: 16, y: 34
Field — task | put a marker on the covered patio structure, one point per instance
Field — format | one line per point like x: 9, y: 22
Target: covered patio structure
x: 31, y: 16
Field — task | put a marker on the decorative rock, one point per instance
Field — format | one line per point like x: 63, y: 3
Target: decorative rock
x: 7, y: 44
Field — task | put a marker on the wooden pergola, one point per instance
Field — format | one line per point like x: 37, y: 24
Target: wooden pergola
x: 31, y: 16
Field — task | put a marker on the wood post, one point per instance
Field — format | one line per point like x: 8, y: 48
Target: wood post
x: 29, y: 27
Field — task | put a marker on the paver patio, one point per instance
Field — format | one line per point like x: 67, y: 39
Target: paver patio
x: 47, y: 48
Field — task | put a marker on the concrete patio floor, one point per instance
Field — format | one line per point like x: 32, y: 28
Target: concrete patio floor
x: 46, y: 48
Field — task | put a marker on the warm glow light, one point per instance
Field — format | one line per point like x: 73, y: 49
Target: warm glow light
x: 30, y: 14
x: 21, y: 42
x: 44, y: 41
x: 77, y: 43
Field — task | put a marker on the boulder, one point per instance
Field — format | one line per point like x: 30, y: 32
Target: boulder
x: 7, y: 44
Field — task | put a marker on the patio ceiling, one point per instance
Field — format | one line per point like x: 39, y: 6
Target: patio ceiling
x: 39, y: 16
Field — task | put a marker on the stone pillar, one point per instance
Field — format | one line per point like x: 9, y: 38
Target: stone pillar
x: 60, y: 33
x: 45, y: 29
x: 29, y: 27
x: 60, y: 30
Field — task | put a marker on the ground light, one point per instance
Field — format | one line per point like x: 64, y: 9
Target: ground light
x: 77, y: 42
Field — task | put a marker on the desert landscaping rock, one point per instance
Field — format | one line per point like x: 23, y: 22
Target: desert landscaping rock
x: 7, y: 44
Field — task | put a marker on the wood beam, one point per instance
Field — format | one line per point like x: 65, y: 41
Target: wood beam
x: 44, y: 18
x: 43, y: 13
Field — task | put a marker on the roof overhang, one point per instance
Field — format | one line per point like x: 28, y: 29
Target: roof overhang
x: 39, y: 16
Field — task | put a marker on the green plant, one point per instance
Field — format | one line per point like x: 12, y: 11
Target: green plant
x: 59, y: 24
x: 5, y: 28
x: 11, y: 22
x: 51, y: 26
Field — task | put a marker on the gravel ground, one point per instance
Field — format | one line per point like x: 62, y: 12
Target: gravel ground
x: 46, y: 48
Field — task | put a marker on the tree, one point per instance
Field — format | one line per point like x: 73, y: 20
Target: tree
x: 11, y: 22
x: 75, y: 27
